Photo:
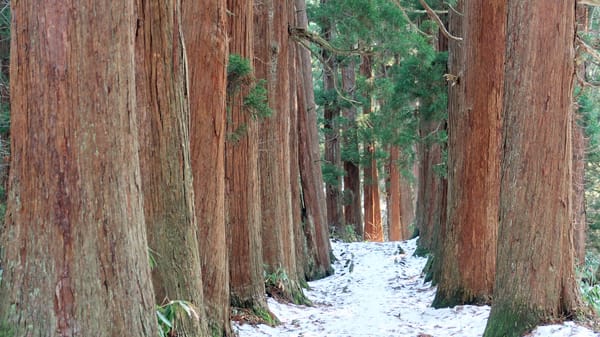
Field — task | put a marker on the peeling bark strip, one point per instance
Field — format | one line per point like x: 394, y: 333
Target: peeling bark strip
x: 316, y: 228
x: 74, y: 239
x: 165, y: 160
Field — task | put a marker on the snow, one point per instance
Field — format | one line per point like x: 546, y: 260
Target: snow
x: 378, y: 291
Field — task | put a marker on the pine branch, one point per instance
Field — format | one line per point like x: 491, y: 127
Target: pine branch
x: 437, y: 19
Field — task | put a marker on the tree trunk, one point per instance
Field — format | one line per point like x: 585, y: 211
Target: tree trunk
x: 468, y: 251
x: 373, y: 225
x: 163, y: 113
x: 333, y: 158
x: 535, y: 281
x: 294, y: 164
x: 316, y: 227
x: 578, y: 193
x: 579, y: 159
x: 352, y: 196
x: 242, y: 186
x: 272, y: 63
x: 407, y: 207
x: 74, y: 244
x: 398, y: 225
x: 204, y: 23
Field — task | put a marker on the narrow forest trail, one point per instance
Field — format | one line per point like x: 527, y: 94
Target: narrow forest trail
x: 378, y: 290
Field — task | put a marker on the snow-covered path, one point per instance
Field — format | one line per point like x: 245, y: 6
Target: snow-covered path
x: 379, y: 291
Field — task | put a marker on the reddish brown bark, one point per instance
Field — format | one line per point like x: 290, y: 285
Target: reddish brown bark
x: 373, y: 230
x: 398, y: 228
x: 316, y: 228
x: 74, y: 244
x: 468, y: 255
x: 407, y: 207
x: 535, y: 280
x: 279, y: 253
x: 242, y: 189
x: 204, y: 24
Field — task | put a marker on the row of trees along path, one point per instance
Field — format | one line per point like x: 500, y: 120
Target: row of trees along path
x: 186, y: 133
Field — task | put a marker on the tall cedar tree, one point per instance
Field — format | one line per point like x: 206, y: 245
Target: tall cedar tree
x: 535, y: 281
x: 294, y: 164
x: 272, y: 63
x: 352, y: 194
x: 163, y: 113
x: 467, y: 259
x: 431, y: 183
x: 242, y: 189
x: 331, y: 114
x: 316, y: 228
x: 399, y: 215
x: 373, y: 230
x: 204, y: 24
x: 74, y: 244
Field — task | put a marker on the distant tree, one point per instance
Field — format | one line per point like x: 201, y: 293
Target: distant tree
x: 205, y: 24
x: 535, y: 280
x: 373, y: 225
x: 468, y: 250
x: 74, y: 250
x: 163, y: 112
x: 398, y: 216
x: 332, y: 170
x: 352, y: 196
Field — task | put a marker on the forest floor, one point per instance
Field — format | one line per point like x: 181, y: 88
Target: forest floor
x: 378, y: 290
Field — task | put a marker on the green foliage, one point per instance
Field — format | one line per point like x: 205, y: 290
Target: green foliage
x: 589, y: 282
x: 331, y: 173
x: 256, y: 102
x: 241, y: 81
x: 266, y: 316
x: 279, y: 285
x: 152, y: 258
x: 348, y: 234
x: 6, y: 330
x: 168, y: 313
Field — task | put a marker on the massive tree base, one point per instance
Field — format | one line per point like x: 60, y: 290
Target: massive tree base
x: 449, y: 298
x: 257, y: 314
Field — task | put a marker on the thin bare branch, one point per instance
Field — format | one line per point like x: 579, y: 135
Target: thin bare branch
x: 305, y: 44
x: 299, y: 33
x: 594, y: 3
x: 589, y: 49
x: 437, y: 19
x: 453, y: 9
x: 412, y: 24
